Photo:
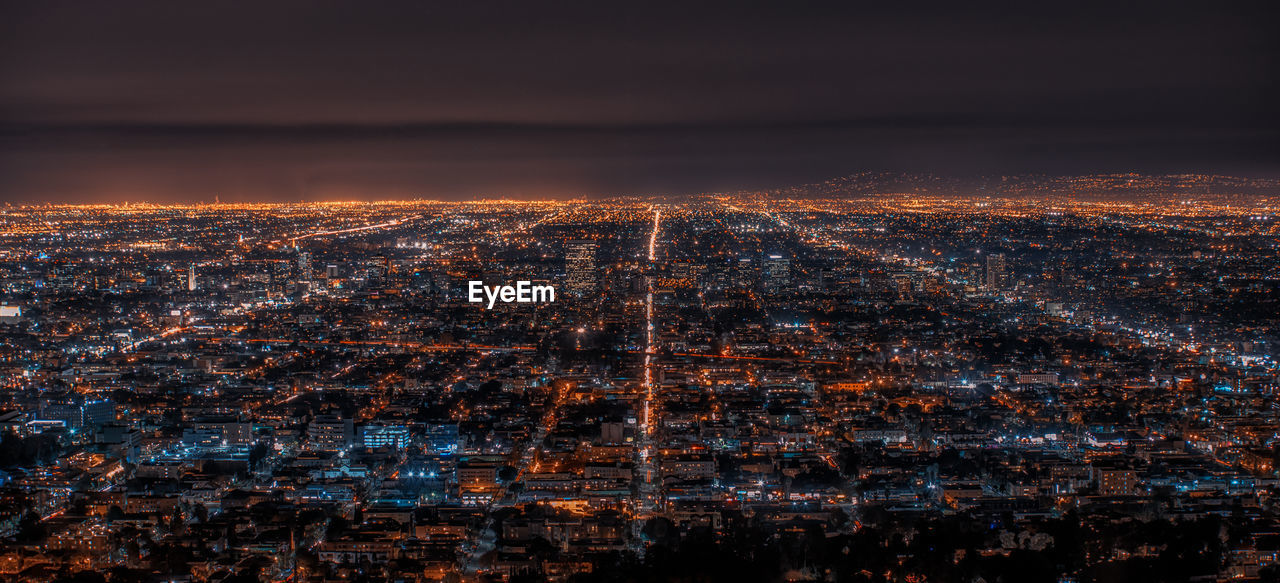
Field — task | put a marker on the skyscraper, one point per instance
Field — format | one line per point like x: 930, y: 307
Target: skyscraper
x: 580, y: 266
x: 777, y: 273
x: 304, y: 267
x: 191, y: 277
x: 996, y: 277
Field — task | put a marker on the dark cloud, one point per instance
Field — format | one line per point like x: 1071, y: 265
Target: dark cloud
x: 163, y: 100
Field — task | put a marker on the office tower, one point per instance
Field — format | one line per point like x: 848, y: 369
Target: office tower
x: 777, y: 273
x: 378, y: 267
x: 191, y: 277
x: 392, y: 435
x: 330, y: 433
x: 580, y: 266
x: 744, y: 274
x: 903, y: 285
x: 278, y: 276
x: 98, y: 412
x: 827, y: 278
x: 996, y: 277
x: 304, y: 267
x: 64, y: 410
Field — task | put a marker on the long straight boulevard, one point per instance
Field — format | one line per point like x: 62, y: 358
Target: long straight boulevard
x: 648, y: 493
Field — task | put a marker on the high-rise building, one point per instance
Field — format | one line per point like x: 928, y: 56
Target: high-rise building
x: 191, y: 277
x: 744, y: 274
x: 902, y: 284
x: 996, y: 278
x: 378, y: 267
x: 330, y: 433
x: 580, y: 266
x: 278, y: 276
x: 777, y: 273
x: 304, y: 267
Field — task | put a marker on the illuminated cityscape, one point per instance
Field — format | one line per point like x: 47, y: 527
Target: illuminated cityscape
x: 412, y: 291
x: 892, y: 387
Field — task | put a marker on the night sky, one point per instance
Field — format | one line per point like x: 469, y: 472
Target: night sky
x: 184, y: 101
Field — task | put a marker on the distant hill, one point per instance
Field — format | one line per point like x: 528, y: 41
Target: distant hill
x: 1098, y: 185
